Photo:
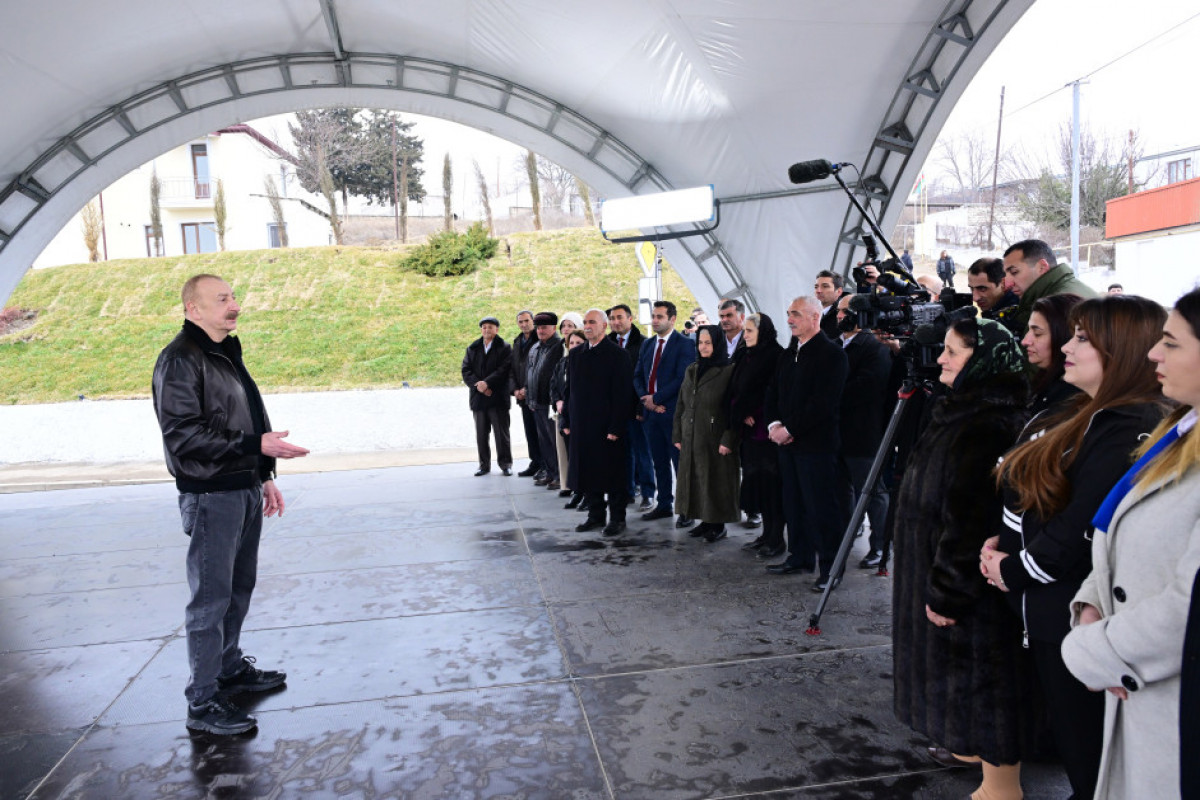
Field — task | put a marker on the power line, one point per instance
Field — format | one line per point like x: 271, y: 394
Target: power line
x: 1152, y: 39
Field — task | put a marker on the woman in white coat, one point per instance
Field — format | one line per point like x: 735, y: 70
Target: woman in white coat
x: 1131, y: 612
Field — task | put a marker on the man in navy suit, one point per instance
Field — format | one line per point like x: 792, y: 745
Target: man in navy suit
x: 659, y: 374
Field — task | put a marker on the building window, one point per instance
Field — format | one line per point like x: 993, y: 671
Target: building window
x: 200, y: 175
x: 154, y: 244
x: 273, y: 237
x: 199, y: 237
x: 1180, y: 170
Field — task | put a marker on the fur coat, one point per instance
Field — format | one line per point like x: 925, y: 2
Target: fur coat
x: 968, y: 686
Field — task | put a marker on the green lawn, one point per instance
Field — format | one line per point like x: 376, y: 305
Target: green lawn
x: 313, y: 319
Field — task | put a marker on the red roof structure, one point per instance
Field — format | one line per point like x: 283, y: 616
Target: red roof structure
x: 1172, y: 206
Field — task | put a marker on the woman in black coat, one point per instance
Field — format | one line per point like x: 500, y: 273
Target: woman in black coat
x: 1049, y: 329
x: 958, y: 680
x: 753, y: 368
x: 1054, y: 482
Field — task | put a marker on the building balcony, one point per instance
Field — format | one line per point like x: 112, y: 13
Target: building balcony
x: 185, y: 193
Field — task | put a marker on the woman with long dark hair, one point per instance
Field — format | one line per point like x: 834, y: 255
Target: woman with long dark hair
x: 957, y: 678
x: 1053, y: 482
x: 1049, y: 329
x: 753, y: 368
x: 708, y: 475
x: 1130, y: 613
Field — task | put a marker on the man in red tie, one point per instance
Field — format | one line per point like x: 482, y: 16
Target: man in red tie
x: 629, y: 338
x: 656, y: 380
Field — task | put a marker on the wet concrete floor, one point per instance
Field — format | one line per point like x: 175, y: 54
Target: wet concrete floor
x: 446, y: 637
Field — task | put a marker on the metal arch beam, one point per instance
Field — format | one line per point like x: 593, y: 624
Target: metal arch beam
x: 117, y: 126
x: 947, y: 45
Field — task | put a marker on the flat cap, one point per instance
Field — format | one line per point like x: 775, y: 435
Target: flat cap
x: 492, y: 320
x: 545, y: 318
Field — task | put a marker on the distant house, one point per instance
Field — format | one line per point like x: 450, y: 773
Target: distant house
x: 242, y: 159
x: 1156, y: 234
x: 1173, y: 166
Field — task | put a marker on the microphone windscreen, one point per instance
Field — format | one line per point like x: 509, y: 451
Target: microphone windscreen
x: 805, y: 171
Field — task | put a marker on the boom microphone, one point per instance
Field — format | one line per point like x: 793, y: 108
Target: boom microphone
x: 815, y: 170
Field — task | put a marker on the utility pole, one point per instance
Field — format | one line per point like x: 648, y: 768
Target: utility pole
x: 995, y: 171
x: 1075, y: 179
x: 395, y: 183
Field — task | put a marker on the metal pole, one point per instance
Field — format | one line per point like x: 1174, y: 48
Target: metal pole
x: 1075, y: 180
x: 995, y: 172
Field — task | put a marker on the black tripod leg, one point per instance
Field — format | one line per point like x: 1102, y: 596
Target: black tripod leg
x: 860, y: 509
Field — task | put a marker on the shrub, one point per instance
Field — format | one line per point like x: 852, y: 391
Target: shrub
x: 452, y: 253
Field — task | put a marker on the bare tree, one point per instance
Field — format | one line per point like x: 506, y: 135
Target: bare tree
x: 276, y: 209
x: 220, y: 214
x: 969, y: 158
x: 531, y: 170
x: 483, y: 197
x: 585, y: 196
x: 447, y: 190
x: 329, y: 192
x: 405, y: 167
x: 556, y: 184
x: 89, y: 217
x: 156, y: 228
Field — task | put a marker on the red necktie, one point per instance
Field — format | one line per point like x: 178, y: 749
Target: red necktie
x: 621, y: 339
x: 654, y: 368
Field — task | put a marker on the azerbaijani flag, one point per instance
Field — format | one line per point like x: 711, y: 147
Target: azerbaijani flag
x: 918, y: 187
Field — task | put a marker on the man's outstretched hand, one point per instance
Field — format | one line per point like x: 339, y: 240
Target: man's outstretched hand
x: 273, y: 445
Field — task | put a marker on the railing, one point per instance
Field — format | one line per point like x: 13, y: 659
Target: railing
x: 176, y: 189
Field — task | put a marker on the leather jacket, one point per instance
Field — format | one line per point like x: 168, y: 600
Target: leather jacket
x: 207, y: 415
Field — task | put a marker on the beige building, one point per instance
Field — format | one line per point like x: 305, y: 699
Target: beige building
x: 242, y: 159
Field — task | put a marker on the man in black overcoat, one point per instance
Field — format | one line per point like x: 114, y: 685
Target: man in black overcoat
x: 864, y: 408
x: 485, y: 371
x: 802, y: 409
x: 598, y: 411
x: 521, y: 346
x: 640, y: 468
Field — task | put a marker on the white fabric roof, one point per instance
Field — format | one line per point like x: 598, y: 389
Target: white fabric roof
x: 632, y: 96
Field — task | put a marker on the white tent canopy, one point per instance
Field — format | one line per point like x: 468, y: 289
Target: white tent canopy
x: 634, y: 97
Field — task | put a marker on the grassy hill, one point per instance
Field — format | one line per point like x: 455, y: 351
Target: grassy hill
x: 313, y: 319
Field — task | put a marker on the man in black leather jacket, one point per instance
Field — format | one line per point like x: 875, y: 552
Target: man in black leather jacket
x: 220, y: 448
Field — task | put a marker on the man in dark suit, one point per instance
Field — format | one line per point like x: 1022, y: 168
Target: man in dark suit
x: 596, y: 420
x: 863, y: 409
x: 539, y: 368
x: 485, y: 368
x: 657, y: 380
x: 520, y: 347
x: 802, y: 409
x: 828, y: 290
x: 731, y: 315
x: 629, y: 338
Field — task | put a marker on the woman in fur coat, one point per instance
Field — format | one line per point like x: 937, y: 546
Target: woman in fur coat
x: 958, y: 678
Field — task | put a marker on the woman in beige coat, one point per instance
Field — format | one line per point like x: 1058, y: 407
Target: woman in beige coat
x: 1131, y: 612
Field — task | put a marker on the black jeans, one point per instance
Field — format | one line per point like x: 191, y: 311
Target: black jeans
x: 531, y: 438
x: 222, y: 564
x: 493, y: 421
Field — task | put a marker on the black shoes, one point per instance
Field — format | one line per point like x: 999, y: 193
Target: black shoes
x: 481, y: 471
x: 658, y: 513
x: 684, y: 522
x: 873, y: 559
x: 767, y: 551
x: 251, y: 679
x: 220, y: 716
x: 565, y: 493
x: 542, y: 481
x: 576, y: 499
x: 614, y: 528
x: 947, y: 759
x: 715, y: 533
x: 787, y: 569
x: 821, y: 583
x: 589, y: 524
x: 528, y: 472
x: 506, y: 472
x: 757, y: 544
x: 752, y: 521
x: 699, y: 530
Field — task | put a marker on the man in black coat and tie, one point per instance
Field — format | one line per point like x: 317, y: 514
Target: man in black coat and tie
x: 802, y: 409
x: 485, y: 369
x: 640, y: 468
x: 863, y: 413
x: 597, y: 419
x: 539, y: 368
x: 516, y: 382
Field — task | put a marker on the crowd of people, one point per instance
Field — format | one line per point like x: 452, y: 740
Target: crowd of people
x: 1043, y: 579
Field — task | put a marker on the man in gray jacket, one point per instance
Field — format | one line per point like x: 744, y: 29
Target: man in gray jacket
x: 220, y: 448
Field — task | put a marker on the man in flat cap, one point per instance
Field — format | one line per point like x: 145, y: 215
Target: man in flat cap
x: 539, y: 368
x: 485, y: 369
